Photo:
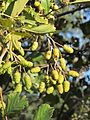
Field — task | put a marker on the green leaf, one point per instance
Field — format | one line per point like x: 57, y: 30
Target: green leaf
x: 16, y: 103
x: 16, y: 7
x: 44, y: 112
x: 42, y: 29
x: 46, y: 5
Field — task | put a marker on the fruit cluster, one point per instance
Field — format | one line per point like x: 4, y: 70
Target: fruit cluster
x: 57, y: 74
x: 15, y: 62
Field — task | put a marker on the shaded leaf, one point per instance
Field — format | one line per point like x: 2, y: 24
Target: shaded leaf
x: 16, y: 103
x: 44, y: 112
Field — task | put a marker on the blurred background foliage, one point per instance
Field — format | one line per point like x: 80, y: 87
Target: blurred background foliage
x: 72, y: 28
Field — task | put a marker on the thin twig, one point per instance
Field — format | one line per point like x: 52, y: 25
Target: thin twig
x: 2, y: 55
x: 72, y: 11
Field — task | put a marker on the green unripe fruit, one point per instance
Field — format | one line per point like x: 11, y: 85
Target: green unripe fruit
x: 9, y: 70
x: 66, y: 86
x: 18, y: 88
x: 21, y: 51
x: 47, y: 79
x: 37, y: 4
x: 56, y: 53
x: 53, y: 82
x: 28, y: 81
x: 60, y: 88
x: 17, y: 76
x: 41, y: 87
x: 29, y: 64
x: 2, y: 105
x: 35, y: 70
x: 55, y: 74
x: 63, y: 63
x: 55, y: 7
x: 68, y: 49
x: 40, y: 7
x: 7, y: 65
x: 73, y: 73
x: 24, y: 62
x: 50, y: 90
x: 34, y: 46
x: 48, y: 55
x: 61, y: 78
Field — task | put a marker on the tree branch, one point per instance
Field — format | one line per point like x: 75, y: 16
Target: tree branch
x: 72, y: 11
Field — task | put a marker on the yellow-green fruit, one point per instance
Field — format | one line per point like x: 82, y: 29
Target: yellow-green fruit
x: 60, y: 88
x: 29, y: 64
x: 68, y: 49
x: 37, y: 3
x: 35, y: 69
x: 47, y: 79
x: 55, y: 74
x: 73, y: 73
x: 41, y: 87
x: 63, y: 63
x: 50, y: 90
x: 55, y: 7
x: 28, y: 81
x: 48, y: 55
x: 34, y: 46
x: 7, y: 65
x: 40, y: 7
x: 17, y: 76
x: 21, y: 50
x: 56, y: 53
x: 9, y: 70
x: 24, y: 62
x: 61, y: 78
x: 53, y: 82
x: 18, y: 88
x: 66, y: 86
x: 2, y: 105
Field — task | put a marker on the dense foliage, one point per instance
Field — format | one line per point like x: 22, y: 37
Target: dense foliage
x: 44, y: 59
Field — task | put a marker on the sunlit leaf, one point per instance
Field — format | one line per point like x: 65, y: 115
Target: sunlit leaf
x: 42, y: 29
